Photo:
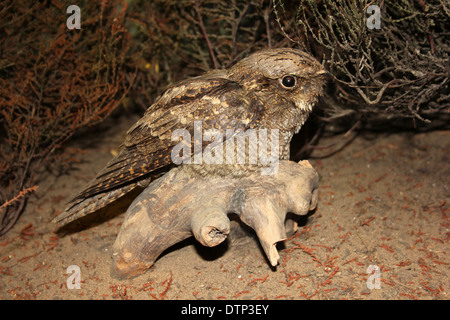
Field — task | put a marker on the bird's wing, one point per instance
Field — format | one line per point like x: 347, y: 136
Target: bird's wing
x: 218, y: 103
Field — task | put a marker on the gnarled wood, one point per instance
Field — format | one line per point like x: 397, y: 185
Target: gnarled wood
x: 176, y: 206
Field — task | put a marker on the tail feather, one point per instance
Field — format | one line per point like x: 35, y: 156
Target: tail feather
x: 121, y: 172
x: 79, y: 208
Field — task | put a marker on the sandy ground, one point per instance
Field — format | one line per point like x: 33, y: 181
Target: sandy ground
x: 384, y: 201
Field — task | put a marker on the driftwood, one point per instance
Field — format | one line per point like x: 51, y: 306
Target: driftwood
x: 176, y: 206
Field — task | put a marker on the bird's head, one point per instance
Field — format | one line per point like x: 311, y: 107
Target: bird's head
x: 290, y: 74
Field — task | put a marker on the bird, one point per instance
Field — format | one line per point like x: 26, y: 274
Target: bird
x: 269, y: 89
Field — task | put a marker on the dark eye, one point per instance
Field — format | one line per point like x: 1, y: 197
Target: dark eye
x: 288, y: 81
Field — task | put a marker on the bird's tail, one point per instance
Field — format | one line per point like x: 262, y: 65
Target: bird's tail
x: 78, y: 208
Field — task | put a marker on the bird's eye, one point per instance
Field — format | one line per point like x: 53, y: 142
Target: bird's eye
x: 288, y: 81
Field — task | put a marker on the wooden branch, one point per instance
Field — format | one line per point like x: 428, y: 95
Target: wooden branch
x: 176, y: 206
x: 205, y: 34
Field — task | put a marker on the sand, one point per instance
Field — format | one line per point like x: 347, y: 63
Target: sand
x: 380, y: 231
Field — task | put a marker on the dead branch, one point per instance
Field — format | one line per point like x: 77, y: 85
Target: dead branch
x: 177, y: 206
x: 205, y: 34
x: 397, y: 71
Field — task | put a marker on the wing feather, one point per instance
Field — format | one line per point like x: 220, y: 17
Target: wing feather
x: 219, y: 103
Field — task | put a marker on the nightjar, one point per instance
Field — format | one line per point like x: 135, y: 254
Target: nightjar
x: 270, y: 89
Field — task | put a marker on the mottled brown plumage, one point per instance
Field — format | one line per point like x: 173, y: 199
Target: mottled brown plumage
x: 273, y: 89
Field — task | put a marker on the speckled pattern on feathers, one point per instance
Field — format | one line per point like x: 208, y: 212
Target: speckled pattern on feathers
x: 248, y: 95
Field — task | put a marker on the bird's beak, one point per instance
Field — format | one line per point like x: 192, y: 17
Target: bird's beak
x: 323, y: 74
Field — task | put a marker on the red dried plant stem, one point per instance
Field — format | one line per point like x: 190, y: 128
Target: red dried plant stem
x: 322, y: 246
x: 259, y: 279
x: 241, y: 293
x: 20, y: 195
x: 168, y: 281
